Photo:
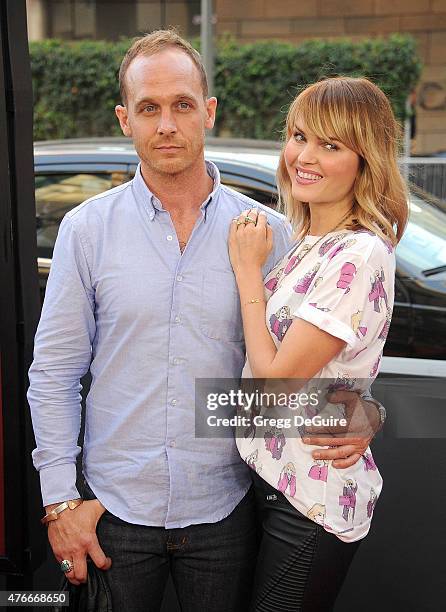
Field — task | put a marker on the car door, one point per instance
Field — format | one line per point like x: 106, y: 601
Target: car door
x: 400, y: 339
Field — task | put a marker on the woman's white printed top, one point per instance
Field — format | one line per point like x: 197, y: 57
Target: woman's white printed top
x: 344, y: 286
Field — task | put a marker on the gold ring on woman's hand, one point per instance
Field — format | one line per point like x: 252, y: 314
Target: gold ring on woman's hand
x: 249, y: 220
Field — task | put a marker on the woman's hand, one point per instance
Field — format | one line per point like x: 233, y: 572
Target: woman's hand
x: 250, y: 241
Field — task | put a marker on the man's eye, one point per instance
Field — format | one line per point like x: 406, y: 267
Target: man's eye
x: 149, y: 108
x: 184, y: 105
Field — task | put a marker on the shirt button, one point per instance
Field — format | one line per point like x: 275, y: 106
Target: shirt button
x: 172, y: 443
x: 169, y: 237
x: 179, y: 278
x: 174, y: 402
x: 177, y: 320
x: 176, y: 361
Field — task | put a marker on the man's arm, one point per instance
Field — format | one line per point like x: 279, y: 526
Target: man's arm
x: 62, y: 355
x: 365, y: 417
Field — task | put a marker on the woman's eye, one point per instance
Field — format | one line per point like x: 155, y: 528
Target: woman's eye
x: 330, y: 146
x: 298, y: 137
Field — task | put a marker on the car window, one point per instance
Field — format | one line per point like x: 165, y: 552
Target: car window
x: 56, y: 194
x: 423, y: 245
x: 259, y: 195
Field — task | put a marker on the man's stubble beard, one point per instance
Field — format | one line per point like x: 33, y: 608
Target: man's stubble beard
x: 173, y: 169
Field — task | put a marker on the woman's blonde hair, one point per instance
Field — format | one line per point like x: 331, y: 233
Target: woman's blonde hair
x: 358, y: 114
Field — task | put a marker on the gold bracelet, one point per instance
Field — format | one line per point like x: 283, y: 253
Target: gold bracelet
x: 254, y: 301
x: 53, y: 515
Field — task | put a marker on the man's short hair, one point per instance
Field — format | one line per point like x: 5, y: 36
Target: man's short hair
x: 157, y: 41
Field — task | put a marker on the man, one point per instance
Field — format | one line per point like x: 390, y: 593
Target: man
x: 141, y: 292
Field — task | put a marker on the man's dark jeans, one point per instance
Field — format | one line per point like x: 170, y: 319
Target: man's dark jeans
x: 212, y: 564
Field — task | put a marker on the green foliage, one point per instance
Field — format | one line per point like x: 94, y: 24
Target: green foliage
x: 256, y: 83
x: 76, y: 88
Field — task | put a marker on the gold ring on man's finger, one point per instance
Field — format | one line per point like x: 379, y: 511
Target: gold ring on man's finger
x: 249, y: 220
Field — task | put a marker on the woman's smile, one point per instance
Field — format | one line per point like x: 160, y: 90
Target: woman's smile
x: 305, y: 177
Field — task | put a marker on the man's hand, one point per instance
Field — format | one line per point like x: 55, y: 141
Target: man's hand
x: 350, y: 442
x: 73, y: 536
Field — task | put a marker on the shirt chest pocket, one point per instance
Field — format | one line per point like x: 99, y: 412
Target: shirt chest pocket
x: 220, y: 316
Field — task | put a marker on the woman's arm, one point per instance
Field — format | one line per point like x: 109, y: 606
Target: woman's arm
x: 304, y: 351
x: 296, y: 358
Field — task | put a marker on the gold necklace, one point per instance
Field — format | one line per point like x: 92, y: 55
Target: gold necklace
x: 344, y: 218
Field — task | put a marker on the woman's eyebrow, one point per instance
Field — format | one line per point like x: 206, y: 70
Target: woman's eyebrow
x: 299, y: 129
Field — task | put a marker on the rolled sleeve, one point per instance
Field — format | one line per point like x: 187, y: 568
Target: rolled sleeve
x: 327, y: 323
x: 338, y: 292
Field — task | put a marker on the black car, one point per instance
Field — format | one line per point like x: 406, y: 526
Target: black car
x: 68, y: 172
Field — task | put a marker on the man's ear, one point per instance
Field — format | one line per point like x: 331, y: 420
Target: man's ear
x: 121, y: 113
x: 211, y: 108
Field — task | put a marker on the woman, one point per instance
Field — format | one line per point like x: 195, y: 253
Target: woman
x: 323, y: 312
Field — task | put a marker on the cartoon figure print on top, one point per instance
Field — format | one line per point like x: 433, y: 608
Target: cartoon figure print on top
x: 348, y: 499
x: 319, y: 470
x: 341, y: 247
x: 377, y: 292
x: 251, y: 461
x: 280, y: 322
x: 274, y: 442
x: 295, y: 259
x: 372, y: 502
x: 329, y: 243
x: 348, y: 272
x: 272, y: 283
x: 287, y: 479
x: 304, y: 283
x: 385, y: 328
x: 360, y: 330
x: 342, y: 383
x: 369, y: 462
x: 317, y: 513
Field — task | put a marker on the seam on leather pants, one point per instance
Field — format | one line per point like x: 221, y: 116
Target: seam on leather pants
x: 285, y: 590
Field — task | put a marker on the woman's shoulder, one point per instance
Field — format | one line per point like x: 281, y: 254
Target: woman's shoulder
x: 365, y: 243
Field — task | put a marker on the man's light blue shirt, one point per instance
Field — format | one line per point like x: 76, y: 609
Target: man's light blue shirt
x: 147, y: 320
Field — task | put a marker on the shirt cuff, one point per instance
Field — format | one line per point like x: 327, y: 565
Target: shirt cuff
x: 58, y: 483
x: 328, y: 323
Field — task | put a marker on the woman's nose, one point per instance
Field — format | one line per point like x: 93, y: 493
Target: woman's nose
x: 307, y: 155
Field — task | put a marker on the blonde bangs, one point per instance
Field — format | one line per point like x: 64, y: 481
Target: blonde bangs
x: 328, y: 113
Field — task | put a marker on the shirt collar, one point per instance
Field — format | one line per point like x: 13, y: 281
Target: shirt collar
x: 153, y: 205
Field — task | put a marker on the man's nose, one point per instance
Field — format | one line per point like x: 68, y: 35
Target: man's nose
x: 167, y: 123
